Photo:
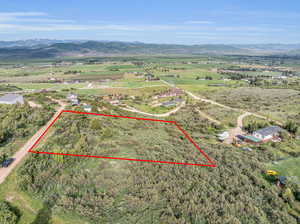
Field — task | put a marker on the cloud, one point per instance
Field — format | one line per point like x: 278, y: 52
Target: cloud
x: 40, y: 23
x: 199, y: 22
x: 29, y: 17
x: 249, y: 29
x: 20, y: 14
x: 12, y: 16
x: 82, y: 27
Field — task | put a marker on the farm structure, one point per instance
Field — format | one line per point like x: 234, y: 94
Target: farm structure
x: 11, y: 99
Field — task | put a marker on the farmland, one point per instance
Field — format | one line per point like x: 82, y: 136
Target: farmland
x: 117, y: 191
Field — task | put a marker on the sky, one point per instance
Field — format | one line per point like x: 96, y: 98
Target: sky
x: 153, y: 21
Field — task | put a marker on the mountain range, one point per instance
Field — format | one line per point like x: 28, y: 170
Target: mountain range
x: 44, y: 48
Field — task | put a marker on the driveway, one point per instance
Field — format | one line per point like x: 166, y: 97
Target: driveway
x: 238, y: 130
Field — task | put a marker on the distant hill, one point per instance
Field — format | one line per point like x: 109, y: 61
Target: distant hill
x: 294, y: 52
x: 98, y: 48
x: 31, y: 43
x: 44, y: 48
x: 274, y: 48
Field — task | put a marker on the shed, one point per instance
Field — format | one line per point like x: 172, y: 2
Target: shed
x: 11, y: 99
x: 87, y: 108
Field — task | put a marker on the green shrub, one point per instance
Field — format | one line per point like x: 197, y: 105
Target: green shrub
x: 8, y: 214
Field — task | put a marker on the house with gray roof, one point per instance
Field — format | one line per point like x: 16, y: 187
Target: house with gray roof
x: 171, y: 102
x: 11, y: 99
x: 73, y: 98
x: 267, y: 133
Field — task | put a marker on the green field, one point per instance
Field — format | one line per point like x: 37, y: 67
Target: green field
x: 64, y: 189
x: 287, y: 167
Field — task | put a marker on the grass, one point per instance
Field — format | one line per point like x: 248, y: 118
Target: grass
x: 136, y: 83
x: 278, y: 104
x: 29, y: 205
x: 288, y: 167
x: 25, y: 203
x: 202, y: 89
x: 226, y: 116
x: 189, y: 81
x: 53, y: 86
x: 149, y: 109
x: 126, y: 139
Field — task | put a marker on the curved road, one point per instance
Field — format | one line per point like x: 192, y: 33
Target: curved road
x: 238, y: 130
x: 222, y: 105
x: 131, y: 109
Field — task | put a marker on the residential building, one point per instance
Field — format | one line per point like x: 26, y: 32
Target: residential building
x: 87, y: 108
x: 73, y: 98
x: 115, y: 102
x: 267, y: 133
x: 11, y: 99
x: 222, y: 136
x: 248, y: 138
x: 170, y: 93
x: 75, y: 102
x: 151, y: 77
x: 171, y: 103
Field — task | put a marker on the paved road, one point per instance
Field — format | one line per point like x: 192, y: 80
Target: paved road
x: 21, y: 153
x: 131, y: 109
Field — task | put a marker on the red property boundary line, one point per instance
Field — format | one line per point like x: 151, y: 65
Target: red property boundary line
x: 210, y: 162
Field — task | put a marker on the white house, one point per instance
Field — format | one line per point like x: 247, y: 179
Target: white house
x: 71, y: 96
x: 222, y: 136
x: 267, y: 133
x: 11, y: 99
x: 87, y: 108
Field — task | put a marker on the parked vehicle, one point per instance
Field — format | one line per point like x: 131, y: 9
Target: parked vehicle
x: 7, y: 162
x: 247, y: 149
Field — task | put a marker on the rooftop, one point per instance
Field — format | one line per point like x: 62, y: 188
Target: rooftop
x: 251, y: 138
x: 9, y: 97
x: 269, y: 130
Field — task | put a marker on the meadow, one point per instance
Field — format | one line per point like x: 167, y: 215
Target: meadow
x: 114, y: 191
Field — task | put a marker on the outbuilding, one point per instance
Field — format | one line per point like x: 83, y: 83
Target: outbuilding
x: 87, y: 108
x: 11, y: 99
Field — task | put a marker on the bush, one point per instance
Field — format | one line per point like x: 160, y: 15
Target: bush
x: 8, y: 215
x: 291, y: 127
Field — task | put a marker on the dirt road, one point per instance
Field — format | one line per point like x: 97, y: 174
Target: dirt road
x: 222, y: 105
x: 238, y: 130
x: 208, y: 117
x: 131, y: 109
x: 21, y: 153
x: 34, y: 104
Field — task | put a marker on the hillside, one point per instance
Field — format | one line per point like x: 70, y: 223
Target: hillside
x: 95, y: 48
x: 294, y: 52
x: 44, y: 48
x: 123, y: 192
x: 31, y: 43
